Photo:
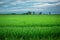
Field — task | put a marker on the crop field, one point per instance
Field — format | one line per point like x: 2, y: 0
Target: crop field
x: 29, y: 27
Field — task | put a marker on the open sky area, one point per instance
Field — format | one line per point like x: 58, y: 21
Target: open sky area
x: 21, y: 6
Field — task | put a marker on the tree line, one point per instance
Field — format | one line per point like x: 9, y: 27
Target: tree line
x: 27, y: 13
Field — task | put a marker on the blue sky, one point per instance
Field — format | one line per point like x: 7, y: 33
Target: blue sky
x: 20, y: 6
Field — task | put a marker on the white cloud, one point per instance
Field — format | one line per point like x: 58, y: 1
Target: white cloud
x: 44, y: 0
x: 44, y: 5
x: 18, y: 2
x: 34, y: 2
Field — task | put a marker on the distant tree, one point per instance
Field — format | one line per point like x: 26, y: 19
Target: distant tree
x: 40, y: 13
x: 26, y: 13
x: 49, y: 13
x: 29, y: 13
x: 13, y: 13
x: 33, y: 12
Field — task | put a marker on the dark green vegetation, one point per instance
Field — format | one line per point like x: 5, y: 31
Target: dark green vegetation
x: 29, y: 27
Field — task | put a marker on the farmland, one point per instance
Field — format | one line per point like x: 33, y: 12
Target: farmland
x: 29, y: 27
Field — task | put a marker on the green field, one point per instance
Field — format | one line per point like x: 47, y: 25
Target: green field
x: 29, y: 27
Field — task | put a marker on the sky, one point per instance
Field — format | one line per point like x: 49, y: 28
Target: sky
x: 21, y: 6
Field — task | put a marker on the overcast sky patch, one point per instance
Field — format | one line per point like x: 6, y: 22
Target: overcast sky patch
x: 28, y: 5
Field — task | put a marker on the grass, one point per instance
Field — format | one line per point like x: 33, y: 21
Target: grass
x: 29, y: 27
x: 30, y: 32
x: 29, y: 20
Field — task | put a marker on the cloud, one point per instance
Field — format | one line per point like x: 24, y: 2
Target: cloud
x: 27, y: 5
x: 42, y: 0
x: 17, y: 2
x: 34, y: 7
x: 32, y: 1
x: 24, y: 1
x: 45, y: 5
